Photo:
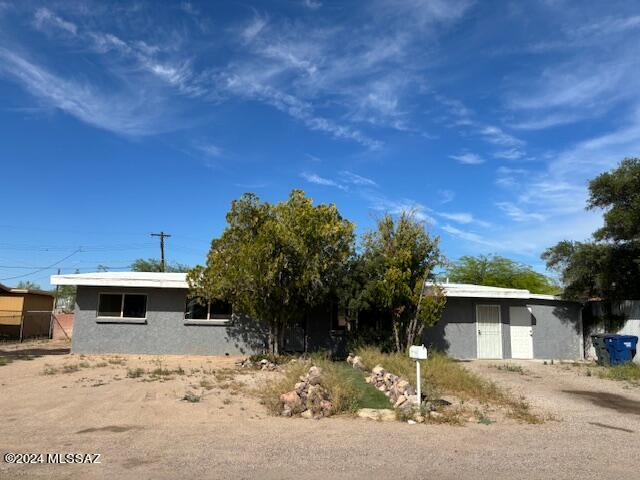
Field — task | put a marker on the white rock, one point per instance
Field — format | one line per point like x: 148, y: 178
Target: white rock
x: 411, y: 422
x: 380, y: 414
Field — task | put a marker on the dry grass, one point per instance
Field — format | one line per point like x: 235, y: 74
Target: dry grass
x: 629, y: 372
x: 344, y: 394
x: 440, y: 374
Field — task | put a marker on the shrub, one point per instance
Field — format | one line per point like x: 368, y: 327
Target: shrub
x: 442, y: 374
x: 629, y: 372
x: 191, y: 397
x: 135, y: 372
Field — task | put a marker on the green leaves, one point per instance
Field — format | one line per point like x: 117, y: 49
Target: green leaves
x: 496, y: 271
x: 276, y: 261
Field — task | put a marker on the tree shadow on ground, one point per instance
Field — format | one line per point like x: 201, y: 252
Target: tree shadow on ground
x: 610, y: 401
x: 34, y: 352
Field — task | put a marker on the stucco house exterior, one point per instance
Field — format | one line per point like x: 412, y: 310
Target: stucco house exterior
x: 151, y: 313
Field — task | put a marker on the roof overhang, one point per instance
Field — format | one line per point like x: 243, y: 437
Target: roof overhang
x: 123, y: 279
x: 481, y: 291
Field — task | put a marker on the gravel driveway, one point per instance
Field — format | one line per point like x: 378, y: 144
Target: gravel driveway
x: 143, y: 430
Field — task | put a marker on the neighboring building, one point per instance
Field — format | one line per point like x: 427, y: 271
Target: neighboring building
x: 492, y: 322
x: 24, y: 313
x: 140, y: 312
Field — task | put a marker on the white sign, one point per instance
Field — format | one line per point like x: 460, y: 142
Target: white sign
x: 418, y: 352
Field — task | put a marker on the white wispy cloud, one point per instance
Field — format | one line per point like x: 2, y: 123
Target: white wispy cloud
x: 468, y: 236
x: 356, y: 179
x: 510, y: 154
x: 45, y: 18
x: 464, y: 218
x: 446, y: 196
x: 518, y: 214
x: 318, y: 180
x: 468, y: 158
x: 127, y: 113
x: 312, y: 4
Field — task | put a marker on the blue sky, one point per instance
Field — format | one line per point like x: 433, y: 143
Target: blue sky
x: 486, y: 118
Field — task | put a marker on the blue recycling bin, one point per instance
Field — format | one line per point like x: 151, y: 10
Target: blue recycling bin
x: 621, y: 348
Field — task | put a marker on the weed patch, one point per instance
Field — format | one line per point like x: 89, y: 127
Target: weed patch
x: 442, y: 374
x: 191, y: 397
x: 510, y: 367
x: 629, y: 372
x: 135, y: 372
x: 5, y: 361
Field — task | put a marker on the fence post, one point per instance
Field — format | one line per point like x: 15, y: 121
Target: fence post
x: 21, y: 325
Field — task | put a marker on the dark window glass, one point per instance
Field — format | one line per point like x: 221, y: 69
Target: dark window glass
x: 220, y: 310
x: 109, y: 305
x: 338, y: 318
x: 135, y: 306
x: 196, y: 309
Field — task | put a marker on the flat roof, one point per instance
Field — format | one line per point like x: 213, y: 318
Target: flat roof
x: 123, y: 279
x: 24, y: 291
x: 179, y: 280
x: 482, y: 291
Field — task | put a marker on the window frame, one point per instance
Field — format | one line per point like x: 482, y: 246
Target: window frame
x: 209, y: 320
x: 122, y: 318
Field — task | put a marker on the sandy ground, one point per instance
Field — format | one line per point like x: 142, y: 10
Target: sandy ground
x: 143, y: 429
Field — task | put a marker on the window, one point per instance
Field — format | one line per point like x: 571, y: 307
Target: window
x: 122, y: 305
x: 199, y: 309
x: 338, y: 318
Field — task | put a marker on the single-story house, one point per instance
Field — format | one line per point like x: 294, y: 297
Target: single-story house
x: 492, y: 322
x: 149, y: 312
x: 24, y: 312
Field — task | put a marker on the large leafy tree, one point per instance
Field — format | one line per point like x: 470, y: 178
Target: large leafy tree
x: 154, y: 265
x: 275, y: 262
x: 497, y: 271
x: 398, y: 257
x: 609, y: 266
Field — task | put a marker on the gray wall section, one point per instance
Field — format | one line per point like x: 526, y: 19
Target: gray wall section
x: 164, y: 333
x: 556, y: 328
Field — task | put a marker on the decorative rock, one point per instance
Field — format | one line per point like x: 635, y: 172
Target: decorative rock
x: 435, y: 415
x: 380, y: 414
x: 377, y: 370
x: 419, y: 419
x: 357, y: 363
x: 300, y: 386
x: 307, y: 414
x: 411, y: 422
x: 350, y: 359
x: 286, y: 412
x: 401, y: 399
x: 290, y: 399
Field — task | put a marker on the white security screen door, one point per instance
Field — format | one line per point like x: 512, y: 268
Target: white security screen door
x: 521, y: 332
x: 489, y: 331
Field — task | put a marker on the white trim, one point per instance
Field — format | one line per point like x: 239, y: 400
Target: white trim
x: 478, y: 329
x: 123, y: 279
x: 483, y: 291
x: 122, y: 318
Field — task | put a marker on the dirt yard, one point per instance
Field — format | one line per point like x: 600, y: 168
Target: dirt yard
x: 52, y: 401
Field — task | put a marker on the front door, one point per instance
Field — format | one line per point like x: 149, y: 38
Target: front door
x: 489, y: 331
x: 521, y: 332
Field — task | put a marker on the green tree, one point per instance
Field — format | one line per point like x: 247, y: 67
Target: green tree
x: 607, y: 267
x: 497, y: 271
x: 153, y: 265
x: 398, y: 257
x: 27, y: 285
x: 275, y: 262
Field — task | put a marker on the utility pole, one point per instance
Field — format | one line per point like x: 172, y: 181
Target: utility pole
x: 162, y: 236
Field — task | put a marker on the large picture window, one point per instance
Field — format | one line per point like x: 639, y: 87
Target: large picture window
x: 122, y: 305
x: 199, y: 309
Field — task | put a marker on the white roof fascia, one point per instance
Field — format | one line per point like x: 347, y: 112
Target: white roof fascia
x: 482, y: 291
x: 123, y: 279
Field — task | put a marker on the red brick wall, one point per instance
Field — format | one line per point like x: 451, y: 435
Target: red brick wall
x: 64, y: 322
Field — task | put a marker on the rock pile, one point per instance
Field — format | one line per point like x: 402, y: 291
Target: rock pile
x: 396, y: 388
x: 356, y: 362
x: 263, y: 364
x: 308, y: 398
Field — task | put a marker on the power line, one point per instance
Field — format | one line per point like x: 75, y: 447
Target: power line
x: 44, y: 268
x: 162, y: 236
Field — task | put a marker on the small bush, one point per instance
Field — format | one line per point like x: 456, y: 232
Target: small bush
x: 5, y: 361
x: 49, y: 370
x: 629, y: 372
x: 509, y: 367
x: 84, y: 365
x: 191, y: 397
x: 206, y: 384
x: 117, y: 361
x: 135, y: 372
x: 70, y: 368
